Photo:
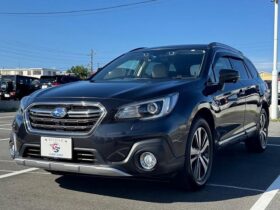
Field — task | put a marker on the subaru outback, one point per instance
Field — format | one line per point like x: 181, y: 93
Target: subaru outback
x: 151, y: 112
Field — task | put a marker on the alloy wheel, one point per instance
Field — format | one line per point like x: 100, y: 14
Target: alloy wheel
x: 12, y: 149
x: 263, y: 130
x: 200, y: 154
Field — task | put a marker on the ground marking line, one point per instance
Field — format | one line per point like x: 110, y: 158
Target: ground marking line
x: 234, y: 187
x: 267, y: 196
x: 17, y: 173
x: 6, y: 124
x: 4, y: 139
x: 7, y: 129
x: 273, y: 145
x: 45, y: 173
x: 6, y: 117
x: 7, y: 161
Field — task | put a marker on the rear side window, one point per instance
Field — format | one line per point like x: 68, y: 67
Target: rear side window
x: 252, y: 69
x: 221, y: 63
x: 239, y: 66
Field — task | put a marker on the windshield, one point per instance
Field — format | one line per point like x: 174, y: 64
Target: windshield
x: 154, y: 64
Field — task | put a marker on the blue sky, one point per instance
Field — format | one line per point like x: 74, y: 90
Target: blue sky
x: 60, y: 41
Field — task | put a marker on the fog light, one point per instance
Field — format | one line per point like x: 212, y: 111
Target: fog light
x: 148, y: 160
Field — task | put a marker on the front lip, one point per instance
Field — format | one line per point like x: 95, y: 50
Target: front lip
x: 74, y: 168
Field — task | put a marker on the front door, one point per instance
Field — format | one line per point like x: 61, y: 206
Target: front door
x: 230, y: 104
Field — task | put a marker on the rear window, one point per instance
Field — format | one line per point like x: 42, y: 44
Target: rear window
x: 252, y: 68
x: 239, y: 66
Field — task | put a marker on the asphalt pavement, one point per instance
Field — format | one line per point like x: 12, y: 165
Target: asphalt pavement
x: 240, y: 180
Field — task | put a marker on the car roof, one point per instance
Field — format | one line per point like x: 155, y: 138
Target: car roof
x: 190, y: 46
x: 212, y: 45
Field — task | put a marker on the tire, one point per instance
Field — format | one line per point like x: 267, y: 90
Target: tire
x: 197, y: 169
x: 258, y: 142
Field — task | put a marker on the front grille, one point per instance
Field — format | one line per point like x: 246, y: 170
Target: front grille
x: 79, y: 119
x: 79, y: 155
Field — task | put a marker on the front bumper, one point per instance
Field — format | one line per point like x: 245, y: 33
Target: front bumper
x: 167, y: 163
x: 117, y: 146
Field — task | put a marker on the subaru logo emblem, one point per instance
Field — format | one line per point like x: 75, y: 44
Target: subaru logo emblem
x: 59, y: 112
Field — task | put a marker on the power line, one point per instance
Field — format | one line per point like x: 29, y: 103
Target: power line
x: 33, y: 55
x: 20, y: 52
x: 80, y: 11
x: 36, y: 62
x: 17, y: 44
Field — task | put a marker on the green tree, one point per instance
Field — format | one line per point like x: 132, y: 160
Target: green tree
x: 79, y: 71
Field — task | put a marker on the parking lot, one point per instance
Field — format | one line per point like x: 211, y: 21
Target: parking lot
x: 239, y: 180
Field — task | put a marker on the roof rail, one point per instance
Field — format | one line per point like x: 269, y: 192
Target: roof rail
x: 217, y: 44
x: 139, y: 48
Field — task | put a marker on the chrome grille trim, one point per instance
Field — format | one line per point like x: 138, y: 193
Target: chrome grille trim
x: 60, y: 126
x: 41, y: 112
x: 84, y: 116
x: 62, y: 120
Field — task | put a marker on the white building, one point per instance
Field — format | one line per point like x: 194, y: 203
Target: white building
x: 32, y: 72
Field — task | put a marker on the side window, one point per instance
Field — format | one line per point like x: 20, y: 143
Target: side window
x: 252, y: 69
x: 239, y: 66
x: 221, y: 63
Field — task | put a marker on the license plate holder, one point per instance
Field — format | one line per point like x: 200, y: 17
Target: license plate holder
x: 58, y: 148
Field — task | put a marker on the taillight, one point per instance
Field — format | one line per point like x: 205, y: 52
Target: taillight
x: 12, y: 93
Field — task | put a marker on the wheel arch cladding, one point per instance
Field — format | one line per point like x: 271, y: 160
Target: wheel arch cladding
x: 266, y: 108
x: 207, y: 115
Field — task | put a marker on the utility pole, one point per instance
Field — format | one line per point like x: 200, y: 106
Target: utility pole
x: 274, y: 94
x: 91, y: 60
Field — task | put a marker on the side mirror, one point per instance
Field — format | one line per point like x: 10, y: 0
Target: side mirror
x: 229, y: 76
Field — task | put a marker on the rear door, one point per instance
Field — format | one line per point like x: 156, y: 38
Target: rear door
x: 230, y: 103
x: 253, y: 96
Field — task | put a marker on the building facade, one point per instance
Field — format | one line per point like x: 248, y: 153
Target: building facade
x: 266, y: 75
x: 32, y: 72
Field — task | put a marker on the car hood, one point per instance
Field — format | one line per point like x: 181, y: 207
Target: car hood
x: 135, y: 90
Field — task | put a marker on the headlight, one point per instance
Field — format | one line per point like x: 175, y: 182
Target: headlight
x: 23, y: 104
x: 149, y: 109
